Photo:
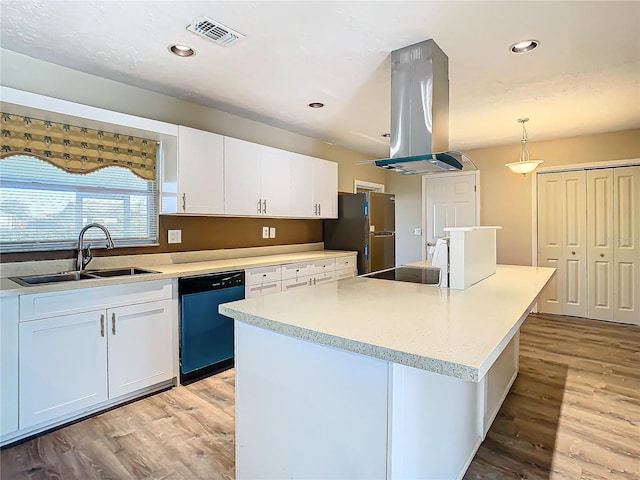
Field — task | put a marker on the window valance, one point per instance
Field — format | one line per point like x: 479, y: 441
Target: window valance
x: 74, y: 149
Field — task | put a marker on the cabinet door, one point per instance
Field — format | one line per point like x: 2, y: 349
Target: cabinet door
x: 275, y: 182
x: 63, y: 366
x: 261, y: 289
x: 242, y: 179
x: 140, y: 339
x: 325, y: 189
x: 8, y: 365
x: 302, y: 184
x: 200, y: 172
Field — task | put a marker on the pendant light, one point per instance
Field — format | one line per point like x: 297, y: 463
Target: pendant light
x: 524, y: 165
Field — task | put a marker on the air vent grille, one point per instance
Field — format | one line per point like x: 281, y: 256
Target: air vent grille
x: 214, y: 31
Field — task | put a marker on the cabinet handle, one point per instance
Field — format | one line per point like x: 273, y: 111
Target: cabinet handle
x: 602, y: 255
x: 573, y: 253
x: 102, y: 325
x: 184, y: 202
x: 264, y: 209
x: 259, y: 206
x: 315, y: 209
x: 320, y: 209
x: 113, y: 323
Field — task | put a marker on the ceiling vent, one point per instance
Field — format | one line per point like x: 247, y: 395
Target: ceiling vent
x: 214, y: 31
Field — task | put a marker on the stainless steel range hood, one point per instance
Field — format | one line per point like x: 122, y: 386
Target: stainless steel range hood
x: 420, y: 113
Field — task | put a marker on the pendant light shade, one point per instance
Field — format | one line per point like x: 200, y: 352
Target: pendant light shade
x: 525, y: 164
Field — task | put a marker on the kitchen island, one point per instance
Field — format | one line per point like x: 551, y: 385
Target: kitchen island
x: 368, y: 378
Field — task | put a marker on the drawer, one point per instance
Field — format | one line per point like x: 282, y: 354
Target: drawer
x: 321, y: 266
x: 346, y: 262
x: 256, y: 276
x: 326, y: 277
x: 345, y: 273
x: 260, y: 289
x: 295, y: 270
x: 293, y: 283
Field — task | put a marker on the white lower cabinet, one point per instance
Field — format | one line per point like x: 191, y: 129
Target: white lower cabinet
x: 63, y: 366
x: 262, y: 281
x: 72, y: 362
x: 8, y: 365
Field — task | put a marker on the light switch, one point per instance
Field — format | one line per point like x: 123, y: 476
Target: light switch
x: 174, y: 236
x: 272, y: 232
x: 417, y: 231
x: 265, y: 232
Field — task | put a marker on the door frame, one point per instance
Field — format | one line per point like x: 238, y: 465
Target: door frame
x: 630, y: 162
x: 372, y: 187
x: 425, y: 178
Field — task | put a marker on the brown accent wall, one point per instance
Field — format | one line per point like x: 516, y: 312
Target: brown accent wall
x: 204, y: 233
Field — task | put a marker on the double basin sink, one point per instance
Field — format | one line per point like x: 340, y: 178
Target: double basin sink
x: 32, y: 280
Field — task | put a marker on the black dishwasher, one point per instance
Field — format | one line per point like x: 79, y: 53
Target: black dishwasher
x: 206, y: 337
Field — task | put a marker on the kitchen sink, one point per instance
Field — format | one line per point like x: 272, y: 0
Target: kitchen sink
x: 119, y: 272
x: 32, y: 280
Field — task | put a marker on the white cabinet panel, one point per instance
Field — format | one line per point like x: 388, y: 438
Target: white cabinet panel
x: 317, y: 267
x: 140, y: 346
x: 346, y: 262
x: 242, y: 180
x: 255, y: 276
x: 295, y: 270
x: 260, y: 289
x: 303, y: 203
x: 345, y: 273
x: 297, y: 282
x: 314, y: 187
x: 325, y: 188
x: 8, y: 365
x: 275, y: 175
x: 63, y: 366
x: 200, y: 172
x: 257, y: 179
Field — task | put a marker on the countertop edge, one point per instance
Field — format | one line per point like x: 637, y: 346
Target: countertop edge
x: 173, y: 270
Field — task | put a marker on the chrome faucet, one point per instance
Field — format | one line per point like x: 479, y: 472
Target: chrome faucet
x: 83, y: 259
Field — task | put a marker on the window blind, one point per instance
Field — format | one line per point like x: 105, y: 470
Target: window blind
x: 43, y: 207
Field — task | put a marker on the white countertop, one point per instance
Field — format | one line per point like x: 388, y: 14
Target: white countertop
x: 174, y: 270
x: 458, y: 333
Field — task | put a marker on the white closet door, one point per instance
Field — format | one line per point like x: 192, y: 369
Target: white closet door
x: 562, y: 241
x: 626, y: 239
x: 601, y: 243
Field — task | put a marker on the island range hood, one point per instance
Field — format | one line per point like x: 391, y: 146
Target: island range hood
x: 420, y: 113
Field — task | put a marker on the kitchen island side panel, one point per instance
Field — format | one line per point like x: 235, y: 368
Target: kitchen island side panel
x: 305, y: 410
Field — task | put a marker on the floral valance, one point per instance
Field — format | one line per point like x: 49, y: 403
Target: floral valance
x: 76, y: 149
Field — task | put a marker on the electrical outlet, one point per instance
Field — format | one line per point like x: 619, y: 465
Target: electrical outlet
x: 174, y: 236
x: 265, y: 232
x: 272, y: 232
x: 417, y: 231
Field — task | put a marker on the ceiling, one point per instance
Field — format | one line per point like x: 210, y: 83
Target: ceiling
x: 583, y: 79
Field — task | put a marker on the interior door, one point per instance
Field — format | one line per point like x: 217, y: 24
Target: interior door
x: 626, y: 235
x: 451, y: 201
x: 601, y: 243
x: 562, y: 241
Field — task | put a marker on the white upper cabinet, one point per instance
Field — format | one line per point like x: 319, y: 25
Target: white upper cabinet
x: 314, y: 187
x: 325, y: 188
x: 256, y: 179
x: 200, y: 172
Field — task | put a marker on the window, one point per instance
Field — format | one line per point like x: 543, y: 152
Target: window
x: 43, y: 207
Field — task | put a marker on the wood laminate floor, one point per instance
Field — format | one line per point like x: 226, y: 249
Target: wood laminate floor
x: 573, y: 413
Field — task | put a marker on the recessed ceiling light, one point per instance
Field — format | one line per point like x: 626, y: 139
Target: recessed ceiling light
x: 386, y: 135
x: 524, y: 46
x: 181, y: 50
x: 316, y: 105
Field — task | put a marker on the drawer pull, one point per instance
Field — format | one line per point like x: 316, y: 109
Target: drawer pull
x: 113, y: 323
x: 102, y: 325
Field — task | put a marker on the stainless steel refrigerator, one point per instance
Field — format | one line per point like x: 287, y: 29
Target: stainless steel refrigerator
x: 366, y: 223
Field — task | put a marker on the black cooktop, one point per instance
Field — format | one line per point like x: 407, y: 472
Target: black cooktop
x: 427, y: 276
